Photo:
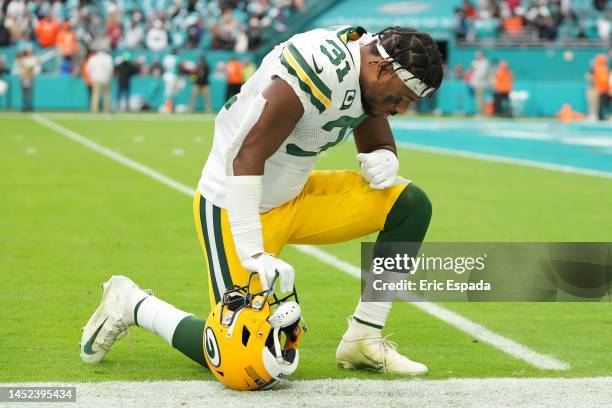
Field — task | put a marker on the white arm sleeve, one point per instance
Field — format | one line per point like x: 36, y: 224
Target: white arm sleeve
x: 243, y: 195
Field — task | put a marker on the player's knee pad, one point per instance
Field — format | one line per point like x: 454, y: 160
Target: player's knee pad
x: 411, y: 207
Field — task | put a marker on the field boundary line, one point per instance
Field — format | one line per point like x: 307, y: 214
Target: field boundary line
x: 111, y: 154
x: 469, y: 392
x: 107, y: 117
x: 506, y: 160
x: 474, y: 329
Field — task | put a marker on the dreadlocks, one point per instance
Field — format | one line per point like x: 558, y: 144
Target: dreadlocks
x: 413, y: 50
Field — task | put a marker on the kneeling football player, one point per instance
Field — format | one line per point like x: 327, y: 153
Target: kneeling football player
x: 258, y: 190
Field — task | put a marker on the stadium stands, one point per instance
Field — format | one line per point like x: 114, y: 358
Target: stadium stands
x: 133, y: 24
x: 63, y: 34
x: 549, y: 44
x: 517, y: 21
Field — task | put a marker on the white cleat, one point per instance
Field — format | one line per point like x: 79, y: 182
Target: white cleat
x: 111, y: 319
x: 376, y: 353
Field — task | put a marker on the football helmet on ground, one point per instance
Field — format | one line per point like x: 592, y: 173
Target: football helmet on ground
x: 242, y: 337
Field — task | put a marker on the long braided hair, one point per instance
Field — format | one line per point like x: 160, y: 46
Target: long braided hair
x: 415, y: 51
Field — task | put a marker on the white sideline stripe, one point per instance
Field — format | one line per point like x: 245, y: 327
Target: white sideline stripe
x: 459, y: 322
x: 330, y: 259
x: 478, y: 331
x: 452, y: 393
x: 111, y: 154
x: 507, y: 160
x: 107, y: 117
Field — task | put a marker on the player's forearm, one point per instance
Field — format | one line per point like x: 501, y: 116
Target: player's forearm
x: 374, y: 133
x: 265, y: 127
x: 243, y: 197
x: 369, y: 146
x: 368, y: 140
x: 243, y: 193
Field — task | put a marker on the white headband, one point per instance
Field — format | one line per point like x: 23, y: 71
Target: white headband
x: 410, y: 80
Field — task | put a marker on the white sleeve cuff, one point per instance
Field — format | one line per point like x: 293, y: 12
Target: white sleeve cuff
x: 243, y: 198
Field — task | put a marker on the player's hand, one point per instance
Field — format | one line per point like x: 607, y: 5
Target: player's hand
x: 379, y: 168
x: 266, y: 266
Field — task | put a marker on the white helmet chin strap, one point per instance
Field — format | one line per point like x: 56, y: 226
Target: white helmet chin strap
x: 408, y: 78
x: 278, y: 351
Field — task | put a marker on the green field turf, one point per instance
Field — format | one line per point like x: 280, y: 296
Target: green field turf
x: 70, y: 218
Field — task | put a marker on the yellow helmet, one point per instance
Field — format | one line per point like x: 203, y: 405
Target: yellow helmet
x: 242, y: 338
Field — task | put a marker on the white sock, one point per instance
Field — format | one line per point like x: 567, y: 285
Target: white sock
x: 134, y: 298
x: 159, y: 317
x: 372, y: 314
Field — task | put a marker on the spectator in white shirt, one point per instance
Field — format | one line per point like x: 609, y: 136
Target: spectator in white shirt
x: 16, y: 9
x: 479, y: 81
x: 134, y: 35
x: 100, y: 70
x: 28, y: 67
x: 157, y: 37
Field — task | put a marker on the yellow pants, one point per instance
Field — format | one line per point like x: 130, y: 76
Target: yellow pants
x: 334, y: 206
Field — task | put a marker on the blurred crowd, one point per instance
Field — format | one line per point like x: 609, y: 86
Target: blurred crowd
x: 99, y: 69
x: 599, y: 88
x: 486, y: 77
x: 155, y: 24
x: 541, y: 19
x: 79, y: 32
x: 173, y: 72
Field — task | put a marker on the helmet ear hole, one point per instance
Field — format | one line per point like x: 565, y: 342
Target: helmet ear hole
x: 270, y: 342
x: 246, y: 334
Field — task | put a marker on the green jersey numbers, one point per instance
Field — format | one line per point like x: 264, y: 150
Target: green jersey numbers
x: 335, y: 53
x: 337, y: 57
x: 296, y: 150
x: 322, y: 66
x: 341, y: 72
x: 344, y: 123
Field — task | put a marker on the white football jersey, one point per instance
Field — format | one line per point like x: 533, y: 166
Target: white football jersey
x: 322, y: 66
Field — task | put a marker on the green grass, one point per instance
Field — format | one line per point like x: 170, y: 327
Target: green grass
x: 71, y: 217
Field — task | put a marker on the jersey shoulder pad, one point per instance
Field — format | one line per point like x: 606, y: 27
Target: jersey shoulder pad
x: 319, y: 62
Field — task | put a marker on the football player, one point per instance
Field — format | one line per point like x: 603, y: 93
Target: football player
x: 258, y: 190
